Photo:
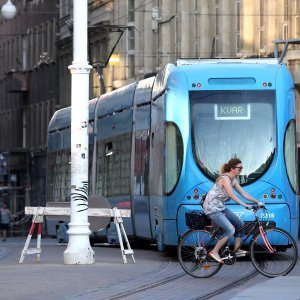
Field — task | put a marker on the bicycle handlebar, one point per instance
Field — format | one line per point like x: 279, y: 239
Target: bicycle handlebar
x: 257, y: 207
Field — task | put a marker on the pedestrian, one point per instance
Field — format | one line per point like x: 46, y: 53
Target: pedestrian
x: 5, y: 220
x: 215, y: 208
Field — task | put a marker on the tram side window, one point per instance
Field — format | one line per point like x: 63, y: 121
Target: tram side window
x: 174, y: 156
x: 58, y: 181
x: 113, y: 166
x: 141, y: 165
x: 100, y: 168
x: 290, y: 155
x: 50, y: 175
x: 66, y: 176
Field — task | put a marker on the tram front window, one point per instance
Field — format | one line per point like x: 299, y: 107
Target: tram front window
x: 226, y: 124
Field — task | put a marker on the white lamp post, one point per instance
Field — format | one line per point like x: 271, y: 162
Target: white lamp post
x: 79, y: 250
x: 8, y: 10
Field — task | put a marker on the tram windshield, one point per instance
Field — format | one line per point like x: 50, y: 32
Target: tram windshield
x: 228, y: 124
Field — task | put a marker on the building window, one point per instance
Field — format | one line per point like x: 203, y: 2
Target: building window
x: 217, y: 47
x: 238, y: 43
x: 261, y: 39
x: 286, y: 10
x: 131, y: 39
x: 12, y: 54
x: 297, y: 7
x: 217, y: 20
x: 50, y: 39
x: 24, y: 51
x: 131, y: 66
x: 262, y: 13
x: 195, y: 5
x: 238, y: 16
x: 285, y: 31
x: 297, y: 24
x: 130, y: 11
x: 196, y: 29
x: 297, y: 19
x: 39, y: 41
x: 238, y: 27
x: 65, y: 7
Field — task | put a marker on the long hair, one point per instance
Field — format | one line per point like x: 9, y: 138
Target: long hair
x: 232, y: 163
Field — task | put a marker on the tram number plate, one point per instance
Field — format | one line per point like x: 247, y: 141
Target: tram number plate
x: 232, y: 111
x: 267, y: 216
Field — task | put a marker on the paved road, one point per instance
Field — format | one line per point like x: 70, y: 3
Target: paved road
x: 155, y: 275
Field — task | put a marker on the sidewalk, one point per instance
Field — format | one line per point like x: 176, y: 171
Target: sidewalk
x: 52, y: 279
x: 279, y: 288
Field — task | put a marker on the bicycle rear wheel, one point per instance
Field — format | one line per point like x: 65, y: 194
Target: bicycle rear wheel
x: 274, y: 253
x: 193, y: 252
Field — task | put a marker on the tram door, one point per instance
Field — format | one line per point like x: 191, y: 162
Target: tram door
x: 141, y: 184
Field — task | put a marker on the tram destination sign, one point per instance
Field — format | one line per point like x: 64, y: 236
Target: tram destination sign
x: 232, y: 111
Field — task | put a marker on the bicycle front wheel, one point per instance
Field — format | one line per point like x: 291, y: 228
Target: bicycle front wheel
x: 274, y: 252
x: 193, y: 252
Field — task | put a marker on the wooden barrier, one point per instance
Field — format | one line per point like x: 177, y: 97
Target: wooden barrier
x: 39, y: 212
x: 65, y: 211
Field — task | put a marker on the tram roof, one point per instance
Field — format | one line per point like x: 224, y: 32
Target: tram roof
x: 62, y: 118
x: 195, y: 61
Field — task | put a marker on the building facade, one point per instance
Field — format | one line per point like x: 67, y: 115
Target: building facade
x: 158, y: 32
x: 28, y: 95
x: 129, y: 40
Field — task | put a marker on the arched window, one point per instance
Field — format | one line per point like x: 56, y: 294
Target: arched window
x: 290, y: 154
x: 173, y: 156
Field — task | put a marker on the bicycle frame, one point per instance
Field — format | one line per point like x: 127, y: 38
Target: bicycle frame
x: 258, y: 227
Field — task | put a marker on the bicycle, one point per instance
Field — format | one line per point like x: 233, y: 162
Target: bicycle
x: 273, y: 251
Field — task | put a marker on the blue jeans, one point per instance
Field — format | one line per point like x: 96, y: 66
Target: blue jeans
x: 228, y: 221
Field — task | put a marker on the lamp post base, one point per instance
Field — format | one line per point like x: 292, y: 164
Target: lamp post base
x: 79, y: 250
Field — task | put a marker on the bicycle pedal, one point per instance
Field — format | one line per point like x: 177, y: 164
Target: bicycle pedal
x: 240, y: 255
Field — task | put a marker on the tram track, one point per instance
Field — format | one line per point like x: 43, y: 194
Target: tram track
x: 227, y: 287
x: 167, y: 283
x: 147, y: 287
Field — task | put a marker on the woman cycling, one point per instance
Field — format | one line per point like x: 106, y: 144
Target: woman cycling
x: 215, y: 208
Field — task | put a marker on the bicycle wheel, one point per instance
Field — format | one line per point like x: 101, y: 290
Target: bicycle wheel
x: 193, y: 252
x: 274, y: 253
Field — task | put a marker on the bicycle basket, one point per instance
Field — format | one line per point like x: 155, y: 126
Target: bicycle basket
x: 196, y: 219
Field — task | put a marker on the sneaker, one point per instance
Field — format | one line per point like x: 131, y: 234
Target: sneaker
x: 215, y: 258
x: 240, y: 253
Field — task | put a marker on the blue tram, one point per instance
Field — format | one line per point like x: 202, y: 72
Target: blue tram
x: 156, y: 145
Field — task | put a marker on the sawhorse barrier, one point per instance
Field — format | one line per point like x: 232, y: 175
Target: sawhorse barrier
x: 39, y: 213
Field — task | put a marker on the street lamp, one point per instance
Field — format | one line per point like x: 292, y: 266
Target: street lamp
x: 79, y: 250
x: 8, y: 10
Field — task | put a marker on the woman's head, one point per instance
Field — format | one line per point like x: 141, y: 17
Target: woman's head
x: 231, y: 164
